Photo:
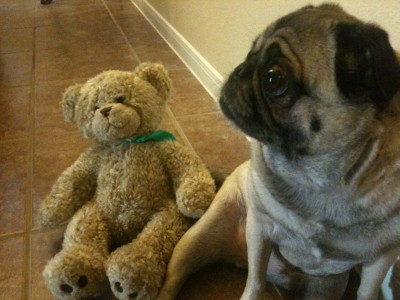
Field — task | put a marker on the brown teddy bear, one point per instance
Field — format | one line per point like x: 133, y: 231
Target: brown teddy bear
x: 136, y: 188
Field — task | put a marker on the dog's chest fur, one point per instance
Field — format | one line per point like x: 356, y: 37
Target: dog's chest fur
x: 320, y: 229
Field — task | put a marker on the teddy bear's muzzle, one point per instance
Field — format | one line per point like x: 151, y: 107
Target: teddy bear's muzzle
x: 105, y: 111
x: 119, y: 115
x: 115, y: 122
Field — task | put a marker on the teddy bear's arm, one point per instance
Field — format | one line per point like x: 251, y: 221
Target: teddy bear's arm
x: 74, y: 187
x: 193, y: 184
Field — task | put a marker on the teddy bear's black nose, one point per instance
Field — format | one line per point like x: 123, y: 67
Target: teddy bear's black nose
x: 106, y: 111
x: 66, y: 288
x: 82, y: 281
x: 118, y: 287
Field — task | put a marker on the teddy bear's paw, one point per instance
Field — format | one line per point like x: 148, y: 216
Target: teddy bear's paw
x: 126, y: 291
x: 194, y: 206
x: 133, y: 275
x: 76, y: 274
x: 193, y: 197
x: 47, y: 219
x: 130, y: 283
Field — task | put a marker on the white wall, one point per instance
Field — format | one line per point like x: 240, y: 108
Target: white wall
x: 222, y: 30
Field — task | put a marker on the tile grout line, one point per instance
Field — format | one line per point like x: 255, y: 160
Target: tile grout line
x: 14, y: 234
x: 29, y: 200
x: 121, y: 31
x: 208, y: 113
x: 5, y: 141
x: 179, y: 128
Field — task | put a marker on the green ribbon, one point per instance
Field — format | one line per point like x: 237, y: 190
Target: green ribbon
x: 156, y: 136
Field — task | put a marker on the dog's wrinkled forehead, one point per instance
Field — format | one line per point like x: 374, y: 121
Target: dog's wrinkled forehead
x: 308, y: 36
x: 302, y: 26
x: 355, y: 55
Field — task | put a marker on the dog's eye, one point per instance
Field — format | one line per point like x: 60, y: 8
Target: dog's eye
x: 120, y: 99
x: 275, y: 81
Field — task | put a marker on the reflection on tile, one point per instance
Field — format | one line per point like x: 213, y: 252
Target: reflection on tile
x: 162, y: 53
x: 12, y: 267
x: 14, y: 113
x: 17, y: 4
x: 123, y: 9
x: 61, y: 64
x: 188, y: 95
x: 76, y: 13
x: 77, y: 37
x: 9, y: 14
x: 14, y: 166
x: 53, y: 154
x: 16, y: 40
x: 219, y: 145
x: 140, y: 33
x: 15, y: 69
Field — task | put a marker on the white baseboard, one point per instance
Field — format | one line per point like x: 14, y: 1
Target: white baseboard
x: 197, y: 64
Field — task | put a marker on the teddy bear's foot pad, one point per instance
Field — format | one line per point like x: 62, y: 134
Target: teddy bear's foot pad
x: 82, y: 282
x: 118, y: 287
x: 77, y: 289
x: 122, y: 292
x: 76, y: 273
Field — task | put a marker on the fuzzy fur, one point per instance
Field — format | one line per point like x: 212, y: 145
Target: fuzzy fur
x: 141, y: 196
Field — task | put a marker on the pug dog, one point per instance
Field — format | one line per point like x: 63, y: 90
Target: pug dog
x: 318, y: 94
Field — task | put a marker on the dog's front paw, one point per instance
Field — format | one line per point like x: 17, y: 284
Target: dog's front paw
x: 365, y: 296
x: 255, y: 293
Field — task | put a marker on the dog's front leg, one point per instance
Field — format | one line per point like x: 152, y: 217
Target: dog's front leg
x: 258, y: 252
x: 373, y: 273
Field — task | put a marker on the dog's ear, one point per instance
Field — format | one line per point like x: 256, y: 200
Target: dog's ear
x: 366, y: 66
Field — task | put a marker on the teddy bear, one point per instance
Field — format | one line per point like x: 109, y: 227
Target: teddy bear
x: 129, y: 197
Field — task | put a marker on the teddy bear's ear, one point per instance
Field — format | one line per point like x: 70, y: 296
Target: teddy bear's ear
x: 157, y: 76
x: 70, y: 98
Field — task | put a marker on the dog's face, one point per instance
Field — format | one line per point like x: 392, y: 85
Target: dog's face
x: 313, y: 81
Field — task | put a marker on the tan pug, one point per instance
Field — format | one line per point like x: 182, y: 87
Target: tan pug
x: 318, y: 95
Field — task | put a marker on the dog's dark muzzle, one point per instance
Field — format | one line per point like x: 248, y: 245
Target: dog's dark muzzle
x: 243, y: 102
x: 239, y: 72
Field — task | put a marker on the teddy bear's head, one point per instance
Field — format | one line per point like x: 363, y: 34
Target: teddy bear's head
x: 117, y: 105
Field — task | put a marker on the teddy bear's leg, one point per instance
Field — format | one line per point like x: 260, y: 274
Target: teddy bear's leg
x: 78, y: 271
x: 136, y: 270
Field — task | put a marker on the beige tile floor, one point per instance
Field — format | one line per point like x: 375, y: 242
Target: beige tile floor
x: 44, y: 49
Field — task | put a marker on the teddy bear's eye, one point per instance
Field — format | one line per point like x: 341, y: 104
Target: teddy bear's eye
x: 120, y: 99
x: 96, y: 107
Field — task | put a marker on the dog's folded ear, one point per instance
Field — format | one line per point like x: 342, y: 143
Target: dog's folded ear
x: 366, y: 65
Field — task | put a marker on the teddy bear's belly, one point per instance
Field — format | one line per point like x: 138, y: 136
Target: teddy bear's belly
x: 129, y: 199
